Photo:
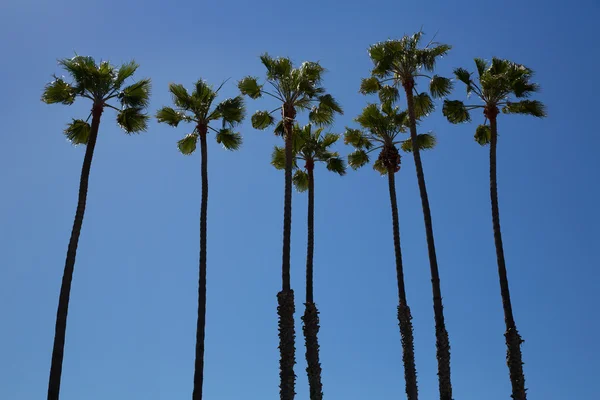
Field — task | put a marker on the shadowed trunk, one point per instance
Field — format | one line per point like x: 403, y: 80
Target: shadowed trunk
x: 285, y: 298
x: 514, y: 358
x: 201, y: 323
x: 65, y: 289
x: 311, y: 314
x: 404, y: 316
x: 441, y: 334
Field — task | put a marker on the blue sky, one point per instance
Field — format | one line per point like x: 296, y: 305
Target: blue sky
x: 133, y: 305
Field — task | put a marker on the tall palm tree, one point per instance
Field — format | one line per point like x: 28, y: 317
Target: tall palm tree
x: 499, y: 82
x: 399, y: 63
x: 100, y: 83
x: 197, y: 108
x: 294, y: 89
x: 381, y: 126
x: 311, y: 146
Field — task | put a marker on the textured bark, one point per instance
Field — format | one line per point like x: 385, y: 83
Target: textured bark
x: 287, y: 349
x: 514, y: 358
x: 65, y: 289
x: 404, y: 316
x: 313, y: 369
x: 285, y: 310
x: 311, y: 314
x: 201, y: 321
x: 442, y: 342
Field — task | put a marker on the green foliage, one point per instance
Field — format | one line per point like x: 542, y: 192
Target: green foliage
x: 423, y: 105
x: 278, y: 157
x: 455, y: 111
x: 169, y: 116
x: 249, y: 86
x: 425, y: 141
x: 136, y: 95
x: 337, y: 165
x: 262, y: 120
x: 388, y: 94
x: 229, y: 139
x: 440, y: 86
x: 369, y: 85
x: 371, y: 117
x: 132, y: 120
x: 187, y: 145
x: 232, y: 110
x: 59, y: 91
x: 277, y: 68
x: 483, y: 134
x: 78, y: 131
x: 380, y: 167
x: 85, y: 73
x: 358, y: 159
x: 357, y: 139
x: 324, y: 112
x: 181, y: 97
x: 527, y: 107
x: 125, y: 71
x: 481, y: 65
x: 300, y: 180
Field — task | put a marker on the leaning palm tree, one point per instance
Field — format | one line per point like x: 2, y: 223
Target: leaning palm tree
x: 381, y: 126
x: 499, y: 82
x: 197, y: 108
x: 399, y: 63
x: 311, y: 146
x: 100, y: 83
x: 294, y: 89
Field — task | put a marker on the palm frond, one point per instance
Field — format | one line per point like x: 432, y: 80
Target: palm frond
x: 78, y: 131
x: 371, y: 117
x: 169, y: 116
x: 181, y: 97
x: 59, y: 91
x: 481, y: 65
x: 423, y: 105
x: 83, y: 70
x: 337, y: 165
x: 369, y: 85
x: 132, y: 120
x: 232, y: 110
x: 187, y: 145
x: 357, y: 139
x: 528, y: 107
x: 136, y: 95
x: 278, y: 157
x: 277, y: 68
x: 329, y: 139
x: 249, y: 86
x: 380, y: 167
x: 229, y: 139
x: 440, y: 86
x: 262, y: 120
x: 425, y: 141
x: 358, y: 159
x: 300, y: 180
x: 483, y: 134
x: 203, y: 93
x: 388, y: 94
x: 455, y: 111
x: 125, y: 71
x: 463, y: 75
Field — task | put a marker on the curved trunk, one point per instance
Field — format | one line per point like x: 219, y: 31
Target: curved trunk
x: 441, y: 334
x: 65, y: 289
x: 285, y: 298
x: 513, y: 339
x: 201, y: 323
x: 311, y: 314
x: 404, y: 316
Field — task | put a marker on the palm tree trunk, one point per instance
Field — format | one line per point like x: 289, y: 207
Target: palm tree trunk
x: 441, y: 334
x: 65, y: 289
x: 285, y: 298
x: 404, y: 316
x: 201, y: 323
x: 513, y: 339
x: 311, y: 313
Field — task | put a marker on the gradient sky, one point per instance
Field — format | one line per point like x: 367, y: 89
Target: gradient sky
x: 132, y: 319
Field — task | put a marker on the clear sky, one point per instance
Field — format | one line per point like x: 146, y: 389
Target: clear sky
x: 132, y: 318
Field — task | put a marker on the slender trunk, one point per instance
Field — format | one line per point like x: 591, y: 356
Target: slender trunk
x: 285, y: 298
x: 441, y: 334
x: 311, y: 313
x: 513, y: 339
x: 201, y: 323
x: 404, y: 316
x: 65, y: 289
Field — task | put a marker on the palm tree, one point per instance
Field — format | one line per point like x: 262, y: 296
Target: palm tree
x: 197, y: 108
x: 499, y: 81
x: 311, y: 147
x: 295, y: 89
x: 381, y: 125
x: 401, y: 62
x: 99, y: 83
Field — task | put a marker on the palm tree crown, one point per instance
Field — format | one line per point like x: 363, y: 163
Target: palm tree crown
x: 197, y: 108
x: 100, y: 83
x: 310, y: 146
x: 499, y: 82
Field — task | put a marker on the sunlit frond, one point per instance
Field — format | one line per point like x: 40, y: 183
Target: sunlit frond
x: 169, y: 116
x: 180, y: 95
x: 59, y: 91
x: 380, y: 167
x: 187, y: 145
x: 136, y: 95
x: 278, y: 157
x: 483, y: 134
x: 78, y: 131
x: 358, y: 159
x: 249, y: 86
x: 232, y: 110
x: 388, y: 94
x: 455, y: 111
x: 529, y: 107
x: 357, y: 139
x: 262, y: 120
x: 125, y: 71
x: 300, y: 180
x: 132, y: 120
x: 440, y: 86
x: 369, y: 85
x: 423, y: 105
x: 481, y: 65
x: 425, y: 141
x: 337, y: 165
